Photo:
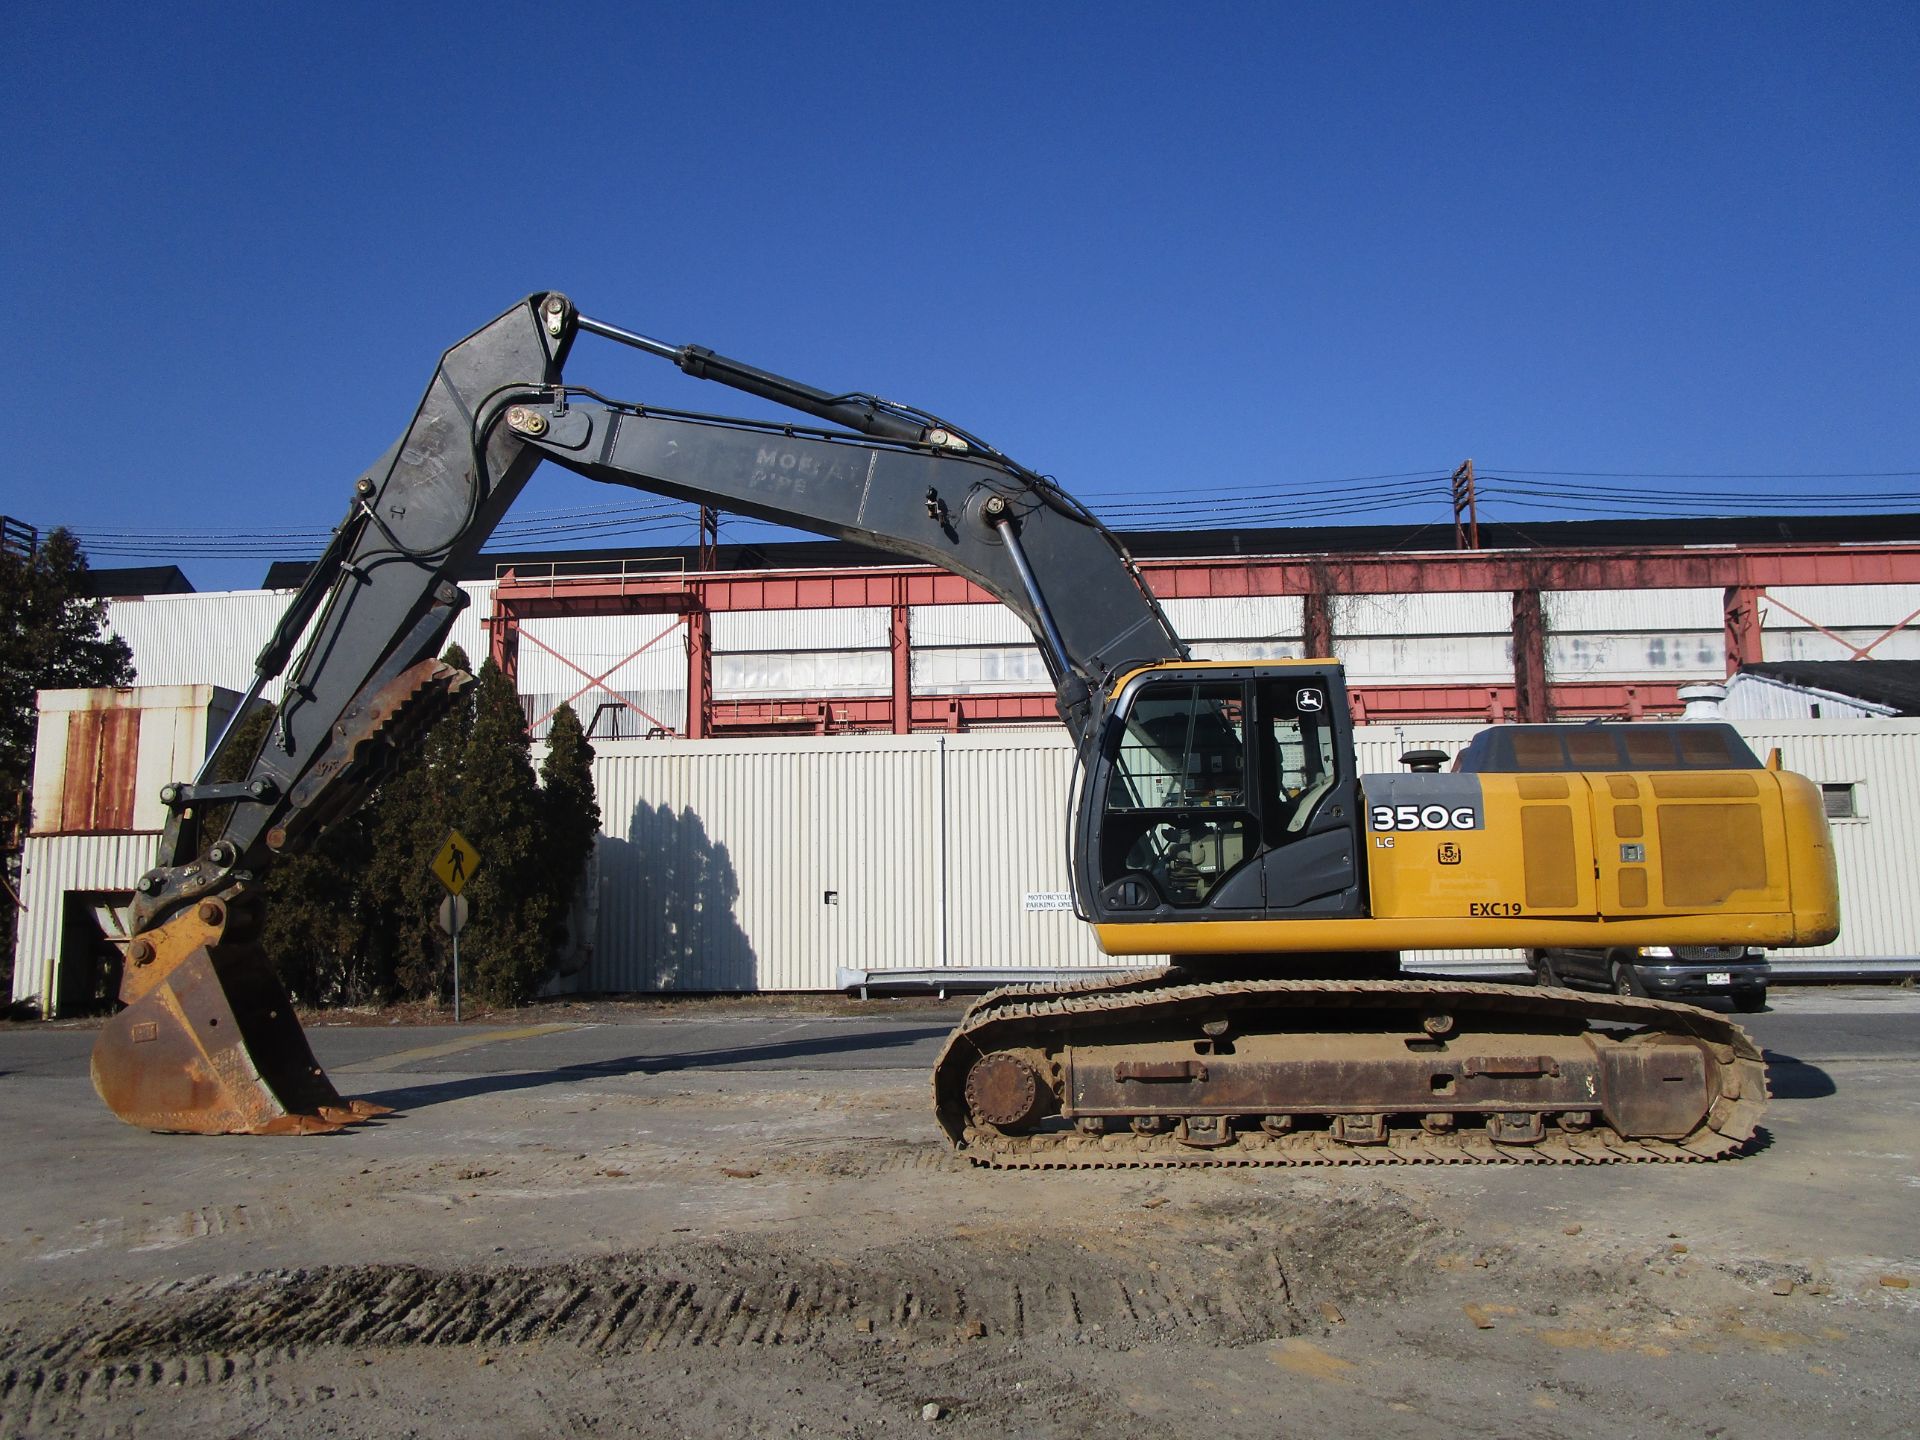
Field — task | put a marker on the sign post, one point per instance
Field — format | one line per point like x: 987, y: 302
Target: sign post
x: 453, y: 865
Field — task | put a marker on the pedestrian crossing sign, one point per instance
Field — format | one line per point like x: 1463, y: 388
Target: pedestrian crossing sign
x: 455, y: 863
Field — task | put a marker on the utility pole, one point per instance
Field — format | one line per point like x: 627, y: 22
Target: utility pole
x: 1466, y: 509
x: 17, y: 538
x: 709, y: 539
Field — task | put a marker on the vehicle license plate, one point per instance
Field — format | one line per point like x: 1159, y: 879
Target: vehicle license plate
x: 1719, y: 977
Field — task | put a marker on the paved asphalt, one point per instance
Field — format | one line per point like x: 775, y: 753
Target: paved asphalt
x: 1804, y: 1028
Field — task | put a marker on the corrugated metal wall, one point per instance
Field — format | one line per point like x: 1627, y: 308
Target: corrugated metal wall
x: 972, y: 649
x: 770, y: 864
x: 718, y: 867
x: 1439, y: 638
x: 107, y: 776
x: 212, y: 639
x: 638, y: 660
x: 1879, y: 852
x: 51, y: 866
x: 1756, y: 697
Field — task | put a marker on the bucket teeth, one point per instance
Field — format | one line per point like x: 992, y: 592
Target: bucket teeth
x: 300, y: 1125
x: 408, y: 707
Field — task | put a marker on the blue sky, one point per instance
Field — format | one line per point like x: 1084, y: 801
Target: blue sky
x: 1162, y: 252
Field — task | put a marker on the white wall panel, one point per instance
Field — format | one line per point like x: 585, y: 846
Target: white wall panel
x: 979, y: 669
x: 1676, y: 657
x: 1878, y: 855
x: 602, y: 645
x: 1465, y: 612
x: 765, y: 865
x: 50, y: 866
x: 213, y: 639
x: 623, y: 714
x: 1235, y: 617
x: 1246, y: 649
x: 800, y: 675
x: 1841, y: 645
x: 207, y: 639
x: 1614, y: 611
x: 935, y: 625
x: 855, y: 628
x: 1755, y: 697
x: 1835, y: 606
x: 1007, y: 838
x: 1416, y: 659
x: 469, y: 630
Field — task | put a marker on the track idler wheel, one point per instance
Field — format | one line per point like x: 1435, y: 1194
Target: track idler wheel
x: 1005, y: 1090
x: 209, y: 1043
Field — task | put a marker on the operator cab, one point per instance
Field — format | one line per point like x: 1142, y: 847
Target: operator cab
x: 1223, y: 792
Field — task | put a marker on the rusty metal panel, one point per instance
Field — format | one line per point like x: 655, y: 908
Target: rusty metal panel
x: 99, y: 764
x: 101, y: 756
x: 51, y: 866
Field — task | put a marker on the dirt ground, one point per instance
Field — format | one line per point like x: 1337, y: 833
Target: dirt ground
x: 787, y: 1252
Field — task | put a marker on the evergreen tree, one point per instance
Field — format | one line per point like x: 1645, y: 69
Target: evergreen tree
x: 51, y: 638
x: 353, y: 918
x: 323, y: 926
x: 416, y: 808
x: 569, y: 810
x: 509, y: 938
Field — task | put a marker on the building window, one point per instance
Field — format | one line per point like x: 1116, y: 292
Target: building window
x: 1842, y: 801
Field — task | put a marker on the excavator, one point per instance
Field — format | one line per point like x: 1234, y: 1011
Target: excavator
x: 1218, y: 819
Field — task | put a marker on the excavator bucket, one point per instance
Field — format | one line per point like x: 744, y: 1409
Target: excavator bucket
x: 209, y: 1043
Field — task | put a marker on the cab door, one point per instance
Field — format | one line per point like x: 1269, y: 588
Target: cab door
x: 1223, y: 794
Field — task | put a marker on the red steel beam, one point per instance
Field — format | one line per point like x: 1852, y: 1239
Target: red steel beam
x: 1646, y: 568
x: 1650, y: 568
x: 1386, y: 704
x: 1743, y: 572
x: 1372, y: 704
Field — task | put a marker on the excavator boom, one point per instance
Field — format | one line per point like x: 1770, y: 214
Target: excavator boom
x: 1221, y: 820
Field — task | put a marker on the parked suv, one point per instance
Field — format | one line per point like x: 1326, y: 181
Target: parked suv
x: 1678, y: 972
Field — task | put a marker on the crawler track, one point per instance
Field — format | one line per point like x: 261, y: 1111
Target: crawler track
x: 1319, y: 1094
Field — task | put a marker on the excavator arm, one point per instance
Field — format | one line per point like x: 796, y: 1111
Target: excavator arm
x: 208, y: 1041
x: 1222, y: 821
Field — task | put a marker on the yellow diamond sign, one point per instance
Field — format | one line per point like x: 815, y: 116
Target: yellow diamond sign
x: 455, y: 862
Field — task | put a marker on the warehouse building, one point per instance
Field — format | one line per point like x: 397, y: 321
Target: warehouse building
x: 809, y: 754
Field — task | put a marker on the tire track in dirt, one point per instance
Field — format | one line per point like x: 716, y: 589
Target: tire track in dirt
x: 1230, y: 1281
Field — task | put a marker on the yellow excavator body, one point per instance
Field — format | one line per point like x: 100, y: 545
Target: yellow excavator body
x: 1571, y: 859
